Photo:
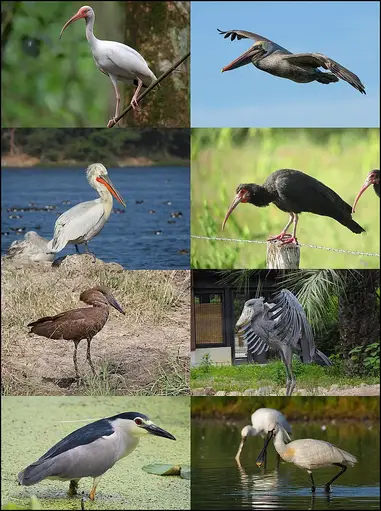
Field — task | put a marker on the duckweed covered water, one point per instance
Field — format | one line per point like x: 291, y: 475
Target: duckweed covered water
x: 31, y: 425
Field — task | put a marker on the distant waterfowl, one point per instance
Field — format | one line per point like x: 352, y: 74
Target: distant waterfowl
x: 294, y: 192
x: 85, y: 220
x: 298, y: 67
x: 373, y: 178
x: 308, y: 454
x: 77, y: 324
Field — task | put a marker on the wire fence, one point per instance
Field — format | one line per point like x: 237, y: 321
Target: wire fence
x: 330, y: 249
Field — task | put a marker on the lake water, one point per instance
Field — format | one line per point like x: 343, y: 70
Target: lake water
x: 136, y: 238
x: 219, y: 483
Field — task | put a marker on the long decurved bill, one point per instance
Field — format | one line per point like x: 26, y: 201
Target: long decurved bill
x: 251, y: 55
x: 233, y: 205
x: 261, y: 457
x: 79, y: 15
x: 155, y: 430
x: 106, y: 181
x: 368, y: 182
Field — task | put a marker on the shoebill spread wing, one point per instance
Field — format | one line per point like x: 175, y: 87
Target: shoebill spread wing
x: 282, y: 322
x: 320, y: 60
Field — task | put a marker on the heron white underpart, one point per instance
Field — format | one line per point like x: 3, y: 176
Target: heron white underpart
x: 92, y: 450
x: 85, y: 220
x: 116, y: 60
x: 282, y: 326
x: 260, y: 420
x: 308, y: 454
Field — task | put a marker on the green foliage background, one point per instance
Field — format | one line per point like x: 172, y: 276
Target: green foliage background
x: 225, y: 157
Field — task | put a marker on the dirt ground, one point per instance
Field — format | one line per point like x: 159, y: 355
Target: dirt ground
x: 144, y: 352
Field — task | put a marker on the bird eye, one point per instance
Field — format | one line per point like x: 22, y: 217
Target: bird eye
x: 138, y: 422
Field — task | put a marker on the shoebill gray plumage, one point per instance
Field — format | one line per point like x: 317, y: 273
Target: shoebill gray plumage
x: 298, y: 67
x: 282, y: 326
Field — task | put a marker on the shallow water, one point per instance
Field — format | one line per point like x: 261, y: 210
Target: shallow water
x: 128, y: 238
x: 219, y: 483
x: 31, y: 425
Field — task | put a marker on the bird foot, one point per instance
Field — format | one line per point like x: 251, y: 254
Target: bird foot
x: 135, y: 104
x: 112, y: 122
x: 73, y: 488
x: 287, y: 241
x: 283, y: 235
x: 327, y: 488
x: 313, y: 489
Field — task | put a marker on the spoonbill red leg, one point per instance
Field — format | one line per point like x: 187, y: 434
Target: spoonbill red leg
x: 134, y: 102
x: 114, y: 82
x: 284, y: 233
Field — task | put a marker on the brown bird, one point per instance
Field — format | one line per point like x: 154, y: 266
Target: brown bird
x: 77, y: 324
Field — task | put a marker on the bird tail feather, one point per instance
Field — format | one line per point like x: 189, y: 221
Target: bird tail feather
x: 321, y: 359
x: 353, y: 226
x: 35, y: 473
x: 56, y: 244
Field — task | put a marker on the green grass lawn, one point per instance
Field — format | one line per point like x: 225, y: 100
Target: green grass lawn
x: 219, y: 165
x: 251, y: 376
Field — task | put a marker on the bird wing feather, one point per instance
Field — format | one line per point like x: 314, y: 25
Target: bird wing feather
x: 291, y: 325
x: 76, y: 223
x: 242, y: 34
x: 320, y: 60
x: 82, y: 436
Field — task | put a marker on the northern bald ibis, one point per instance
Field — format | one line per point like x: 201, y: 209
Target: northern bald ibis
x: 294, y: 192
x: 298, y: 67
x: 116, y: 60
x: 373, y: 178
x: 77, y: 324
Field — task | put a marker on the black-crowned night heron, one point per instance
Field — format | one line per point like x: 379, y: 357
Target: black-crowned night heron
x: 92, y: 450
x: 260, y: 420
x: 308, y: 454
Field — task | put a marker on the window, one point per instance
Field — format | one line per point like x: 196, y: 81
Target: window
x: 208, y: 311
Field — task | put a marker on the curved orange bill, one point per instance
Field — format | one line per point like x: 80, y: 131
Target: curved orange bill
x: 76, y: 17
x: 233, y: 205
x: 261, y: 457
x: 106, y: 181
x: 366, y: 185
x: 251, y: 55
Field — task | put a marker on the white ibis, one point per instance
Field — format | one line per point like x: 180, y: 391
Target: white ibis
x: 260, y: 420
x: 85, y: 220
x: 116, y: 60
x: 308, y: 453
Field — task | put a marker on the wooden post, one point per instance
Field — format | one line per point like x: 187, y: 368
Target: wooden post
x: 282, y: 257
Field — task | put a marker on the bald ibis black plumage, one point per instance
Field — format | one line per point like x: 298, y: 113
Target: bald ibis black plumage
x: 294, y: 192
x: 373, y: 178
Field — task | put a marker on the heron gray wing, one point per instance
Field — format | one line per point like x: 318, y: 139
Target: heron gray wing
x: 242, y: 34
x: 320, y: 60
x: 85, y: 435
x: 291, y: 325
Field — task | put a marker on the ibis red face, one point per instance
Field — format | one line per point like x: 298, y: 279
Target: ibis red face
x: 242, y: 196
x: 106, y: 181
x: 84, y: 12
x: 372, y: 178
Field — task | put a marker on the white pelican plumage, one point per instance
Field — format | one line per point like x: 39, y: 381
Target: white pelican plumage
x: 85, y: 220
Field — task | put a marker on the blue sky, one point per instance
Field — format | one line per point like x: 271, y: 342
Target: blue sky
x: 347, y: 32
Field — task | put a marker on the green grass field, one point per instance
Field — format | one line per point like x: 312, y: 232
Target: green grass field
x: 224, y: 158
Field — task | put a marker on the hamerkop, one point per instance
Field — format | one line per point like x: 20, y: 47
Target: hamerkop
x: 77, y: 324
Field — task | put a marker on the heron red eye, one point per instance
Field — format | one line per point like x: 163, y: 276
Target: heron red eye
x: 138, y: 422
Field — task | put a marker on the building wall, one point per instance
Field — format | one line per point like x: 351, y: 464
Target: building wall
x: 221, y: 355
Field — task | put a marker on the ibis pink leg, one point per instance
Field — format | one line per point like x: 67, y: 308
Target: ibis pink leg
x: 283, y: 235
x: 292, y: 239
x: 134, y: 102
x: 112, y: 121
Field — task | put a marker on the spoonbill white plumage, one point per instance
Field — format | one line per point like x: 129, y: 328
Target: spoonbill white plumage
x: 85, y: 220
x: 261, y: 419
x: 308, y: 454
x: 116, y: 60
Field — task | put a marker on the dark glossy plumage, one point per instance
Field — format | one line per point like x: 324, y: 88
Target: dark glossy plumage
x: 294, y: 192
x: 300, y: 67
x: 77, y: 324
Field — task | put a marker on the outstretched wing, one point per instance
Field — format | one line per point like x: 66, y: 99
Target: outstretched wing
x: 320, y: 60
x: 252, y: 330
x: 290, y: 324
x: 242, y: 34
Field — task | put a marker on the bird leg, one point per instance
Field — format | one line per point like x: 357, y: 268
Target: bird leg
x: 265, y: 456
x: 113, y: 121
x: 327, y: 486
x: 287, y: 360
x: 94, y: 488
x: 292, y: 239
x: 283, y: 233
x: 313, y: 487
x: 134, y: 102
x: 73, y: 487
x: 278, y: 461
x: 77, y: 249
x: 89, y: 252
x: 88, y: 356
x: 75, y: 359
